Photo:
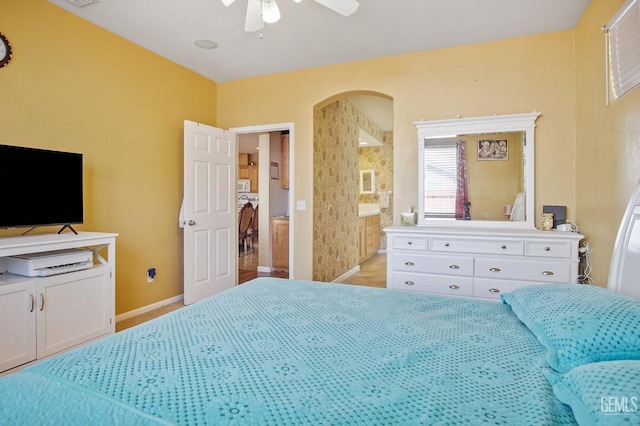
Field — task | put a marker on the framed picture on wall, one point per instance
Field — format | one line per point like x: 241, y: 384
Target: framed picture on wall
x: 274, y: 170
x: 493, y: 149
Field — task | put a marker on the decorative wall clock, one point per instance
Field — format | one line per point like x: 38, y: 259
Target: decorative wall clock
x: 5, y: 51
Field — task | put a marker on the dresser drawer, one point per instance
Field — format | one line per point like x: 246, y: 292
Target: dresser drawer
x: 523, y: 270
x: 450, y: 285
x: 556, y: 249
x: 447, y: 265
x: 443, y: 244
x: 486, y: 288
x: 402, y: 242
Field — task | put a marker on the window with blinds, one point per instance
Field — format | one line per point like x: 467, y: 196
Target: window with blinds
x: 623, y: 33
x: 440, y: 179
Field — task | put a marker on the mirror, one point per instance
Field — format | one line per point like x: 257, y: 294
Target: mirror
x: 367, y: 181
x: 497, y: 158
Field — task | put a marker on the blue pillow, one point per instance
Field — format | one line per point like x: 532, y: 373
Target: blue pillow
x: 602, y: 393
x: 579, y: 324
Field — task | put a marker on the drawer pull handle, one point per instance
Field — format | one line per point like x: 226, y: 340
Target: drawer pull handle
x: 454, y: 267
x: 42, y: 298
x: 494, y: 290
x: 547, y: 273
x: 409, y: 283
x: 409, y: 263
x: 494, y: 269
x: 503, y: 247
x: 446, y: 244
x: 454, y: 287
x: 33, y: 302
x: 547, y: 249
x: 409, y: 242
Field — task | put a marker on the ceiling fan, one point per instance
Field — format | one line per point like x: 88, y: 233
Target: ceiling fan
x: 261, y: 11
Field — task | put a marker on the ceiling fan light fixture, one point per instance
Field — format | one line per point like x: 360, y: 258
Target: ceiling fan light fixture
x: 270, y: 11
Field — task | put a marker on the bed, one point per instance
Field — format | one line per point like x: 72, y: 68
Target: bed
x: 290, y: 352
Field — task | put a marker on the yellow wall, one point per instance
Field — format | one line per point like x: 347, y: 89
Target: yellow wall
x: 607, y: 141
x: 503, y: 77
x: 72, y: 86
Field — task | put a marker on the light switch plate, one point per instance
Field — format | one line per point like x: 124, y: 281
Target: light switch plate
x: 301, y: 205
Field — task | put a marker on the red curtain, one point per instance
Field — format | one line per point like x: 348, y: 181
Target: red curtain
x: 462, y: 194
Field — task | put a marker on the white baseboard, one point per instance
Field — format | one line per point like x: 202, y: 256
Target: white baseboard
x: 264, y: 269
x: 347, y: 274
x: 148, y: 308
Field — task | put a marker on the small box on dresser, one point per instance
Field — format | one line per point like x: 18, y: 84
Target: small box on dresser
x: 478, y: 262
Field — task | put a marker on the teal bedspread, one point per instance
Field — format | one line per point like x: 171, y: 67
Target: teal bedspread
x: 286, y: 352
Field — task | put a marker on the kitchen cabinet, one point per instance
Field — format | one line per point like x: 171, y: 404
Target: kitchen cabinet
x: 253, y: 177
x: 280, y: 242
x: 284, y: 161
x: 243, y: 172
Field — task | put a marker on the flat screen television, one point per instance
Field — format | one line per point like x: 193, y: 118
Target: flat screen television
x: 40, y: 187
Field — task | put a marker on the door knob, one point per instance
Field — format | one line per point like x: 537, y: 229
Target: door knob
x: 191, y: 222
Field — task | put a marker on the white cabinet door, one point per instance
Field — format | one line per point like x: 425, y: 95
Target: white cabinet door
x: 17, y: 321
x: 72, y: 309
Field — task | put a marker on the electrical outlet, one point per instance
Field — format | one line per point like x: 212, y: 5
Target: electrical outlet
x: 151, y: 273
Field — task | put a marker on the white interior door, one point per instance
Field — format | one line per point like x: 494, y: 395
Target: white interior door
x: 209, y: 216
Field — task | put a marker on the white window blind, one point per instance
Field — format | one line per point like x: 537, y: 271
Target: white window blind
x: 624, y: 48
x: 440, y: 179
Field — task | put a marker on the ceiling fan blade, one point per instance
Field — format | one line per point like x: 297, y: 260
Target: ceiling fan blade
x: 253, y: 21
x: 343, y: 7
x: 228, y: 3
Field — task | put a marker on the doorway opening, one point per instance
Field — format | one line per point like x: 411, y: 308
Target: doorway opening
x: 263, y: 158
x: 338, y: 157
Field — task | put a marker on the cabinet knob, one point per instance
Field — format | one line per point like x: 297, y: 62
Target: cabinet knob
x: 409, y: 242
x: 454, y: 287
x: 409, y: 263
x: 454, y: 267
x: 547, y: 273
x: 503, y: 247
x: 494, y: 290
x: 547, y: 249
x: 409, y: 283
x: 494, y: 269
x: 446, y: 244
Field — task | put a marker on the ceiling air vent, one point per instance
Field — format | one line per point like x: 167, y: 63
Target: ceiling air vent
x: 81, y: 3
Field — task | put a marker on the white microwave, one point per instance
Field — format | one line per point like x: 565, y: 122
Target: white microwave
x: 244, y: 185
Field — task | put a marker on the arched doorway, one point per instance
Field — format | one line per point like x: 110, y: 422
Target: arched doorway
x: 337, y: 159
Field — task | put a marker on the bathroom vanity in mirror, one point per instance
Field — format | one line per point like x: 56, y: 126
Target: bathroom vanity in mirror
x: 499, y: 155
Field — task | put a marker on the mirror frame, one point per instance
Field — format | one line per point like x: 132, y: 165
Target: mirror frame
x: 491, y: 124
x: 372, y: 181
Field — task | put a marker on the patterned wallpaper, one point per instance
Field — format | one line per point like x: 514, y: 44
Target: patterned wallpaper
x: 336, y: 185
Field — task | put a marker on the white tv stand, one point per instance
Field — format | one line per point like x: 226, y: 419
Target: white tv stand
x: 43, y: 316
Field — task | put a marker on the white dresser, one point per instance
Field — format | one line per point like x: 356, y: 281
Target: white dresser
x: 478, y: 262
